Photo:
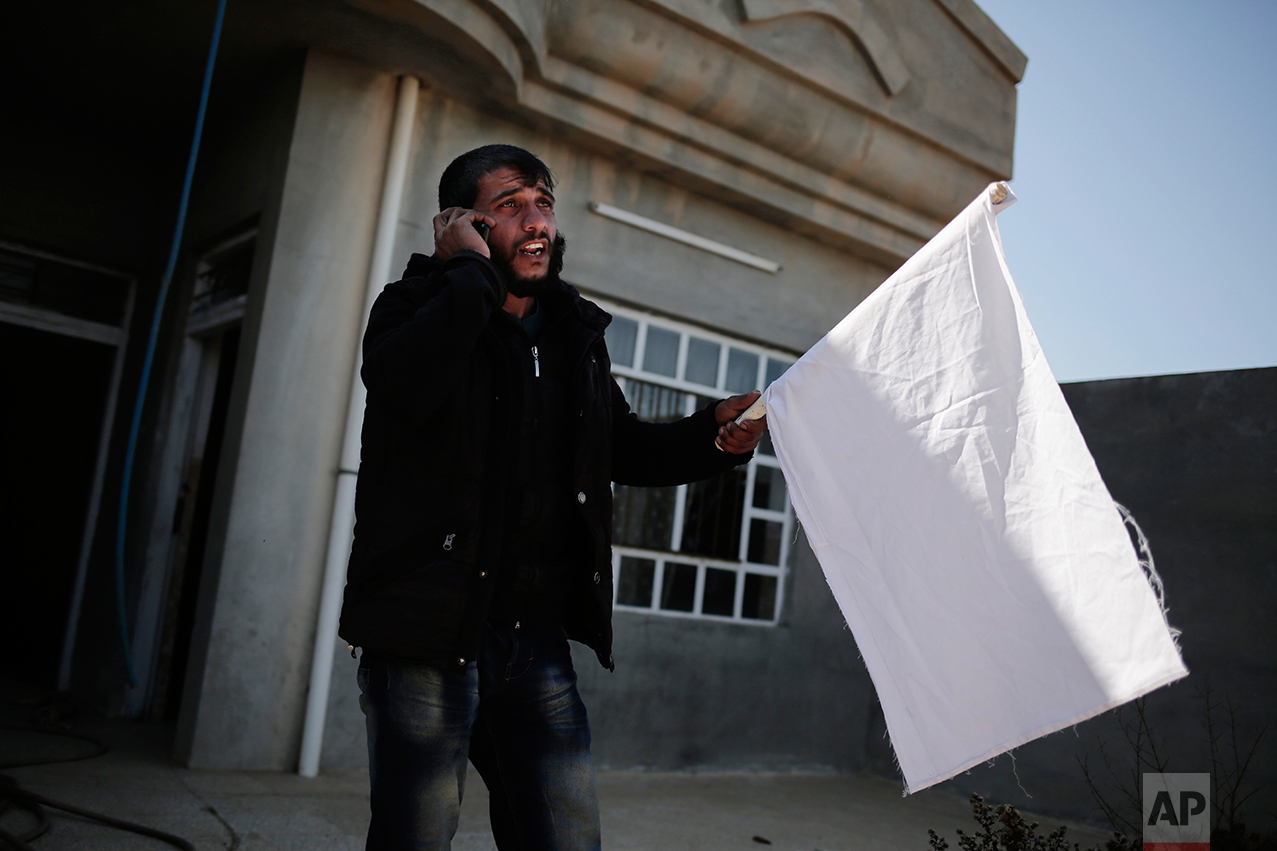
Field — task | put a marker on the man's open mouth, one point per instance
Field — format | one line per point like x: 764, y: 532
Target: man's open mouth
x: 533, y: 249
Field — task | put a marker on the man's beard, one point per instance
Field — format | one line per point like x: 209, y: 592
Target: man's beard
x: 524, y: 287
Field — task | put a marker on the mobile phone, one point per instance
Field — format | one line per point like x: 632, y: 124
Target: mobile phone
x: 482, y: 228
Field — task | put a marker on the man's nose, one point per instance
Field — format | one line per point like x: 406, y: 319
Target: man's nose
x: 534, y: 219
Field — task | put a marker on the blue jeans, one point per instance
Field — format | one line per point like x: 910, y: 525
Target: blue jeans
x: 515, y: 713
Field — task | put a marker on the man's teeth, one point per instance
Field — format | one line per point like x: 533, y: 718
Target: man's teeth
x: 533, y: 248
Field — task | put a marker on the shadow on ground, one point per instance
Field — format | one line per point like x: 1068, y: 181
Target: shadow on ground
x: 257, y: 810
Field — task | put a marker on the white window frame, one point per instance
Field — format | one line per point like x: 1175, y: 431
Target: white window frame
x: 742, y: 566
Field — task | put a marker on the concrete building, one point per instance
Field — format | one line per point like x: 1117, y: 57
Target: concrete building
x: 734, y: 178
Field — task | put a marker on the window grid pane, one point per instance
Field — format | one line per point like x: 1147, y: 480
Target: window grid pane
x: 621, y: 336
x: 661, y: 353
x: 711, y: 520
x: 664, y: 584
x: 678, y: 588
x: 702, y: 362
x: 654, y: 403
x: 764, y: 541
x: 720, y: 592
x: 759, y: 601
x: 742, y: 371
x: 643, y: 517
x: 634, y: 585
x: 63, y: 288
x: 731, y: 530
x: 775, y: 369
x: 769, y: 488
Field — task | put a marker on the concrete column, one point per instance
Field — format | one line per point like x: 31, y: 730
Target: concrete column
x: 245, y: 692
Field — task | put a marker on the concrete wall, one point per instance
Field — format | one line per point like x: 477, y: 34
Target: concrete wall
x: 791, y: 309
x: 697, y: 695
x: 1194, y: 458
x: 250, y: 659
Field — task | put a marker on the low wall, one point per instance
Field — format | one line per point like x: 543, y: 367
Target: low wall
x: 1194, y: 458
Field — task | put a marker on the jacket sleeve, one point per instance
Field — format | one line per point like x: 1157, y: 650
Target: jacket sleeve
x: 421, y: 332
x: 663, y: 454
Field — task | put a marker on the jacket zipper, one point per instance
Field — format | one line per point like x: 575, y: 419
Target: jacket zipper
x: 536, y: 363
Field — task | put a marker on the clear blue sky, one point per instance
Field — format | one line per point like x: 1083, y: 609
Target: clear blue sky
x: 1146, y: 167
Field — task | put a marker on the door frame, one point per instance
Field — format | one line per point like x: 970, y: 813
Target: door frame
x: 189, y: 403
x: 44, y: 319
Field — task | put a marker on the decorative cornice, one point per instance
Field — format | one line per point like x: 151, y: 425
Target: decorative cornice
x: 624, y: 102
x: 629, y: 77
x: 709, y: 20
x: 854, y: 19
x: 716, y: 173
x: 475, y: 34
x: 988, y: 35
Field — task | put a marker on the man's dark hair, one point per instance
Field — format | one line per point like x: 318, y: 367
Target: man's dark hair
x: 459, y: 185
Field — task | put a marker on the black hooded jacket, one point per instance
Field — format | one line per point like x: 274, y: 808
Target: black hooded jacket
x: 439, y: 433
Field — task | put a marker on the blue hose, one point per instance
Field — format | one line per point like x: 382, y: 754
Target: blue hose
x: 122, y: 523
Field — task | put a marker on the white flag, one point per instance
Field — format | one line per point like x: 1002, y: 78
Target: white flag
x: 959, y: 517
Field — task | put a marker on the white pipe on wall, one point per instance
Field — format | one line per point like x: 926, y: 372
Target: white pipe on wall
x: 342, y: 530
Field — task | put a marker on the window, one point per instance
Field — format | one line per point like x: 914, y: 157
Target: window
x: 38, y: 284
x: 714, y: 549
x: 221, y: 285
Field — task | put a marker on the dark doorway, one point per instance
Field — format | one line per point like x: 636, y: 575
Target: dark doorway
x: 54, y: 390
x: 191, y: 525
x: 207, y: 372
x: 63, y: 324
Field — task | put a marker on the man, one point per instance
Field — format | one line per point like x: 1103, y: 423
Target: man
x: 492, y: 433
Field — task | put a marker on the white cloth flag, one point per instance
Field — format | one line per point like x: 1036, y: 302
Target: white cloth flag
x: 959, y: 517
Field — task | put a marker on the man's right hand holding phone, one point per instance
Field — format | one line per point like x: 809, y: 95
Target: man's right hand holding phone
x: 457, y: 228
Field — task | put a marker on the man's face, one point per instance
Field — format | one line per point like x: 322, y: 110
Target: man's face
x: 523, y: 242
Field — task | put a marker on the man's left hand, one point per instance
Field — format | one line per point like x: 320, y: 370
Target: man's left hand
x: 738, y: 439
